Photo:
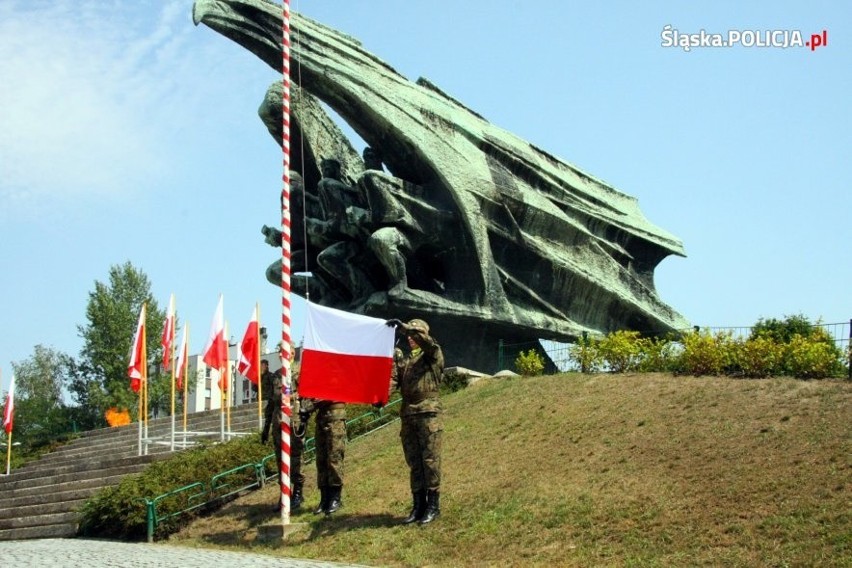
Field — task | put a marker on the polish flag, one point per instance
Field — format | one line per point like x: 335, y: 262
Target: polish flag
x: 9, y: 414
x: 346, y: 357
x: 136, y: 367
x: 216, y: 349
x: 181, y: 358
x: 250, y: 350
x: 168, y: 337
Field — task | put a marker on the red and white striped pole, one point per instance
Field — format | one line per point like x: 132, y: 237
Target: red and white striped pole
x: 286, y: 340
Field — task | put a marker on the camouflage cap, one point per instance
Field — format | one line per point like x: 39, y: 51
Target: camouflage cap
x: 418, y: 325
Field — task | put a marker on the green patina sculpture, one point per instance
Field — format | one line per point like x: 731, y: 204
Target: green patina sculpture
x: 446, y: 216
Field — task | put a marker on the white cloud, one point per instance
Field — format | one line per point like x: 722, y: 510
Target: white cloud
x: 92, y: 92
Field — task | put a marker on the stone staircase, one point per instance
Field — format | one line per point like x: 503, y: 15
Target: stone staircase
x: 41, y: 499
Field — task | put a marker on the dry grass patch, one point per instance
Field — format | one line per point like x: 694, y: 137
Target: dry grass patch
x: 577, y: 470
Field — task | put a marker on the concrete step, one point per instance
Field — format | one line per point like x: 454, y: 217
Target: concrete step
x: 47, y: 486
x: 67, y: 517
x: 80, y: 467
x: 127, y: 442
x: 211, y: 417
x: 61, y: 530
x: 26, y: 511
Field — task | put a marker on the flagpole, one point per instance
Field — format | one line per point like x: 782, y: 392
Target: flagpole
x: 145, y: 374
x: 259, y: 381
x: 185, y: 381
x: 172, y: 362
x: 9, y: 452
x: 286, y: 341
x: 9, y: 421
x: 222, y: 387
x: 139, y: 415
x: 221, y: 406
x: 228, y: 390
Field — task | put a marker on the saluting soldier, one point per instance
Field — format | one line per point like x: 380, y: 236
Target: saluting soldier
x: 418, y: 377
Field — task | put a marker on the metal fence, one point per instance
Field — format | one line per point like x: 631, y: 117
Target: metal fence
x: 249, y: 476
x: 559, y: 354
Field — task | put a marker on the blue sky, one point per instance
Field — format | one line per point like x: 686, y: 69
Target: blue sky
x: 126, y: 133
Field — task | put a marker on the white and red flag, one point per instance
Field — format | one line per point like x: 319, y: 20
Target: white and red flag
x: 346, y: 357
x: 168, y: 337
x: 216, y: 349
x: 136, y: 366
x: 250, y: 350
x: 9, y: 413
x: 181, y: 359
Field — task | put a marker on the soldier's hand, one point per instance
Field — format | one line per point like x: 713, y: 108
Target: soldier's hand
x: 393, y: 323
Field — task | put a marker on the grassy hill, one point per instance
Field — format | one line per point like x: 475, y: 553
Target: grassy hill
x: 579, y: 470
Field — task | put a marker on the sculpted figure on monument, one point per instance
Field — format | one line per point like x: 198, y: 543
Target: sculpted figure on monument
x: 342, y: 225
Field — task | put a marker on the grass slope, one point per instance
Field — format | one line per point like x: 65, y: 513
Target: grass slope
x: 578, y: 470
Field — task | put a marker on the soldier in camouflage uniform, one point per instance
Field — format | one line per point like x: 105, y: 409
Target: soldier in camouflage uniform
x: 271, y: 388
x: 330, y: 437
x: 418, y: 377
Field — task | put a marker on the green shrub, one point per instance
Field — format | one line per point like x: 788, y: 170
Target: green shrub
x: 586, y: 354
x: 621, y: 351
x: 706, y: 354
x: 530, y: 363
x: 812, y: 358
x: 759, y: 356
x: 782, y: 331
x: 119, y: 511
x: 805, y: 344
x: 452, y: 382
x: 657, y: 354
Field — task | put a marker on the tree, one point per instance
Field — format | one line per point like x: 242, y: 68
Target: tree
x: 40, y: 412
x: 100, y: 380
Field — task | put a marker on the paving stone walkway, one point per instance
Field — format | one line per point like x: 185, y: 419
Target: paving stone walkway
x: 86, y: 553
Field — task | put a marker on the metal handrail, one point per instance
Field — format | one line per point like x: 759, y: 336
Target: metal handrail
x: 152, y: 520
x: 219, y: 481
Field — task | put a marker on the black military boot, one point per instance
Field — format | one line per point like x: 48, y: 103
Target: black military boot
x: 335, y: 501
x: 296, y: 497
x: 433, y: 507
x: 418, y: 507
x: 323, y: 501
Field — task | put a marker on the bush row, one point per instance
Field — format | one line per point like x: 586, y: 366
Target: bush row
x: 813, y: 355
x: 119, y: 511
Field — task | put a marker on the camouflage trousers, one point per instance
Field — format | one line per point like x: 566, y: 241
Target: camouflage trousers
x: 421, y: 444
x: 330, y: 437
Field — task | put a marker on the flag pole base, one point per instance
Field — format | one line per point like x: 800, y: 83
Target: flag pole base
x: 290, y: 529
x: 278, y: 531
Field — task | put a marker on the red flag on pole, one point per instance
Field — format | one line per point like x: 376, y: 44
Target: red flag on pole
x: 9, y: 414
x: 181, y: 359
x: 346, y: 357
x: 216, y: 348
x: 137, y: 359
x: 250, y: 350
x: 168, y: 337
